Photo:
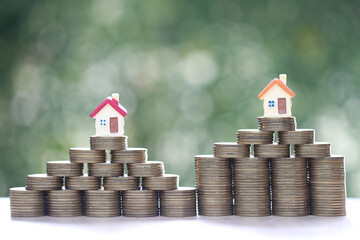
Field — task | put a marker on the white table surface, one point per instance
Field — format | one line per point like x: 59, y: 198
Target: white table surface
x: 246, y: 228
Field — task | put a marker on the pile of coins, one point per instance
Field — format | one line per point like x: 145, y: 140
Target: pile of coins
x: 214, y: 184
x: 289, y: 187
x: 252, y: 187
x: 270, y: 180
x: 327, y: 186
x: 89, y: 185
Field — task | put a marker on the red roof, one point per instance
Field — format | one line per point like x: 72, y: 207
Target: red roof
x: 113, y: 103
x: 280, y: 84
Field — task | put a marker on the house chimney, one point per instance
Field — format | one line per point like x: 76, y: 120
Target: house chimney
x: 115, y: 96
x: 282, y: 77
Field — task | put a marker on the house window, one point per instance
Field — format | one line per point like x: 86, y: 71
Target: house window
x: 103, y: 122
x: 271, y: 103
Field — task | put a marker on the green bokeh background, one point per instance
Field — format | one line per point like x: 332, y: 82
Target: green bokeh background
x: 187, y: 71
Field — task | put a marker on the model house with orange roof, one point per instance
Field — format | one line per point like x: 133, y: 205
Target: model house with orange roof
x: 277, y: 98
x: 109, y: 117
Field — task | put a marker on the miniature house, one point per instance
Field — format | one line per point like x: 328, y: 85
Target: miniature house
x: 277, y: 98
x: 109, y: 116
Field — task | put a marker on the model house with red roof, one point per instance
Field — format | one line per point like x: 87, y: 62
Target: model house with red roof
x: 109, y: 117
x: 277, y: 98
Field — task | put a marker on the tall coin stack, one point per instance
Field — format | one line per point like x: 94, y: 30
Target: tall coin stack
x: 214, y: 184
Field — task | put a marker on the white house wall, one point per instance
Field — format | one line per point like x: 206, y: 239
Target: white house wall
x: 105, y: 113
x: 273, y: 94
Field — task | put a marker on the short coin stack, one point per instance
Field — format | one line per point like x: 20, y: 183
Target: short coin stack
x: 65, y: 203
x: 27, y: 203
x: 178, y: 202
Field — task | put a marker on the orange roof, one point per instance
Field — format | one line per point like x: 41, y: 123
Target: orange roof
x: 280, y: 84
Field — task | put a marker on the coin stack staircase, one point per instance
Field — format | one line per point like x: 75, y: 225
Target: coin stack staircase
x: 127, y: 185
x: 274, y: 170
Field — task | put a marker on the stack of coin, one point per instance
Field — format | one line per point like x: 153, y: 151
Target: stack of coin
x: 65, y: 203
x: 165, y: 182
x: 231, y: 150
x: 106, y: 169
x: 27, y: 203
x: 86, y: 155
x: 84, y: 182
x: 315, y: 150
x: 277, y: 124
x: 102, y: 203
x: 271, y: 150
x: 64, y: 168
x: 254, y: 136
x: 299, y: 136
x: 140, y: 203
x: 289, y: 187
x: 121, y: 183
x: 130, y: 155
x: 147, y: 169
x: 327, y: 186
x: 252, y: 187
x: 43, y: 182
x: 214, y: 184
x: 108, y: 142
x: 179, y: 202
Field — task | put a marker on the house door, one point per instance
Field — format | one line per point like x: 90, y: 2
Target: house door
x: 114, y: 128
x: 282, y: 105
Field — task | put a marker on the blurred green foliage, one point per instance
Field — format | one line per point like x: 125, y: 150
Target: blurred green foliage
x: 187, y: 71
